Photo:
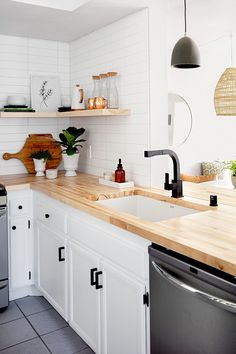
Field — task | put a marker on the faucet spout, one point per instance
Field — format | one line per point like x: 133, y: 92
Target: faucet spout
x: 176, y: 182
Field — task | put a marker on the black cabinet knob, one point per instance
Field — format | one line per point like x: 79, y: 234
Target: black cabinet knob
x: 20, y: 207
x: 13, y: 227
x: 47, y: 216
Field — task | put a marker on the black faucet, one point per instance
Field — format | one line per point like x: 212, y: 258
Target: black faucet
x: 177, y: 185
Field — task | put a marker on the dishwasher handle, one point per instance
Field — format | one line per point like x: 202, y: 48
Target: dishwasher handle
x: 225, y: 304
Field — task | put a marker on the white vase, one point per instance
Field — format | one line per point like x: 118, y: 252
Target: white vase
x: 233, y: 179
x: 70, y: 164
x: 39, y: 166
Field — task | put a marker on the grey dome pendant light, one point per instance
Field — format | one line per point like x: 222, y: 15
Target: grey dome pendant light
x: 185, y: 54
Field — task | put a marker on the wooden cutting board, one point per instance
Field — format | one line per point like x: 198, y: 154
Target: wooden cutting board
x: 34, y: 143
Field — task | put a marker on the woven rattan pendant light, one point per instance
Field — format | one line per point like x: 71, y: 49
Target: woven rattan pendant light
x: 185, y: 54
x: 225, y: 91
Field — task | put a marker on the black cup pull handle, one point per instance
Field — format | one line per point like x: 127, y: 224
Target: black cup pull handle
x: 97, y: 285
x: 92, y: 273
x: 20, y: 207
x: 47, y: 216
x: 60, y: 257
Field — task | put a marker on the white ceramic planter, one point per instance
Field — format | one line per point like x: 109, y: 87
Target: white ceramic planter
x: 39, y: 166
x: 70, y: 164
x: 233, y: 179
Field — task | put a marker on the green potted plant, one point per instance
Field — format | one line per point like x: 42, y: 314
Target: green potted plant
x: 232, y: 167
x: 70, y: 142
x: 40, y: 158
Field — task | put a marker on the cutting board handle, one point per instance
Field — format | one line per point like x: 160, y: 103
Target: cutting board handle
x: 8, y: 156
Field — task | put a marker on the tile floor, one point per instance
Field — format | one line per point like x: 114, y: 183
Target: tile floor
x: 31, y: 326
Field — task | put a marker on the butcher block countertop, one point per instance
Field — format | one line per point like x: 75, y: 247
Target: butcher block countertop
x: 208, y: 236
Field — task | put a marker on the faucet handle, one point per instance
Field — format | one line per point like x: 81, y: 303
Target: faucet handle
x: 167, y: 185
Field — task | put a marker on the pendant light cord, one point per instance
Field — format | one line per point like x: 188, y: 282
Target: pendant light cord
x: 185, y: 18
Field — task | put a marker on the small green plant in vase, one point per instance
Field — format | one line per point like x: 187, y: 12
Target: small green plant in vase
x: 70, y: 142
x: 232, y: 167
x: 40, y: 158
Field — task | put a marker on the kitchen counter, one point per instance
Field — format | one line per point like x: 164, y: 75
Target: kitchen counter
x: 208, y: 236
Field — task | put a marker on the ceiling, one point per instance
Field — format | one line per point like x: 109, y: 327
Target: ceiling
x: 208, y: 20
x: 63, y: 20
x: 68, y: 5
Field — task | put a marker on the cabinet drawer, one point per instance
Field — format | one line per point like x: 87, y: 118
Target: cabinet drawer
x: 19, y: 206
x: 109, y: 245
x: 51, y: 217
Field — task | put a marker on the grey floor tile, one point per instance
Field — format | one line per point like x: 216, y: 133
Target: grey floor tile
x: 11, y: 313
x: 34, y: 346
x: 85, y: 351
x: 47, y: 321
x: 64, y: 341
x: 32, y: 304
x: 15, y: 332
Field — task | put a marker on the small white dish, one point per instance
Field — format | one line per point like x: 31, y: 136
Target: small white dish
x: 16, y: 100
x: 51, y: 173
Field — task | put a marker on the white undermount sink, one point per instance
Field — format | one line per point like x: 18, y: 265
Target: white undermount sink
x: 147, y: 208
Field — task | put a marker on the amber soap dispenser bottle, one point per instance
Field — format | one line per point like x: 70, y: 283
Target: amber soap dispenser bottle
x: 120, y: 173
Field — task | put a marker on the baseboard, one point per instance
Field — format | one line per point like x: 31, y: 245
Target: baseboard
x: 24, y: 291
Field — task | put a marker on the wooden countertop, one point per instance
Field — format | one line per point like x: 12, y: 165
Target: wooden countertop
x: 208, y: 236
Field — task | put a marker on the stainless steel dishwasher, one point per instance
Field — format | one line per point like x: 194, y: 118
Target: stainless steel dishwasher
x: 4, y: 290
x: 192, y: 306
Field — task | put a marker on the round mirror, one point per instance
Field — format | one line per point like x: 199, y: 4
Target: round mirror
x: 180, y: 120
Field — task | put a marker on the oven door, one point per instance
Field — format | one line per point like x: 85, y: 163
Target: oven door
x: 3, y: 244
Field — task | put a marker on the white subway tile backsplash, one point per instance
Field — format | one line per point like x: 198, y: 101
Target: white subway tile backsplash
x: 122, y: 47
x: 19, y: 58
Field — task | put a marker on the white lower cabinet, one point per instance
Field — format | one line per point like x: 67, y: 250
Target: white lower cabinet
x: 20, y: 241
x: 84, y: 299
x: 20, y: 250
x: 100, y: 285
x: 106, y: 304
x: 51, y: 266
x: 123, y: 313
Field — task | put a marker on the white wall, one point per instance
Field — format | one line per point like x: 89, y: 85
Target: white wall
x: 212, y: 137
x: 19, y: 58
x: 123, y: 47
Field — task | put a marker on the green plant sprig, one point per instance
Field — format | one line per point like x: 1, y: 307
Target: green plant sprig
x: 41, y: 155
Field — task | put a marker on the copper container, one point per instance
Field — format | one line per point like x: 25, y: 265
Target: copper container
x: 90, y: 103
x: 100, y: 103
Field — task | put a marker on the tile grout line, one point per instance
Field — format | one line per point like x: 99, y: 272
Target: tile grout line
x: 34, y: 312
x: 35, y: 331
x: 38, y: 336
x: 15, y: 345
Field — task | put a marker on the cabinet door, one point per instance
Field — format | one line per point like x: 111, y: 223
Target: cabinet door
x: 51, y: 267
x: 84, y: 298
x: 123, y: 312
x: 20, y: 241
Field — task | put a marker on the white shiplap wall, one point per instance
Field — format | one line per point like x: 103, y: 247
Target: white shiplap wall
x: 19, y: 58
x: 123, y: 47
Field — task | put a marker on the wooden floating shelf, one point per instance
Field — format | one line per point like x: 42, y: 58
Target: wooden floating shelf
x: 82, y: 114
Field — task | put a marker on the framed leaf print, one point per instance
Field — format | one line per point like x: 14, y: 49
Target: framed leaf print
x: 45, y: 93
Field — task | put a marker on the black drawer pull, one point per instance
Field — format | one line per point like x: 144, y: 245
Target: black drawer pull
x: 97, y: 285
x: 60, y: 258
x: 13, y: 227
x: 92, y: 273
x: 20, y: 207
x: 47, y: 216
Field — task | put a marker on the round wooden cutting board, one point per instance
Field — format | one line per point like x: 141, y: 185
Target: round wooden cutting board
x: 36, y: 142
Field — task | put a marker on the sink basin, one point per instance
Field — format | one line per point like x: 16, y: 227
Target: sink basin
x: 147, y: 208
